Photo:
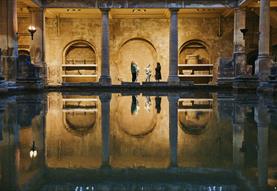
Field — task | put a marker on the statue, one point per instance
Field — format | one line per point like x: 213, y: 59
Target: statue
x: 158, y: 75
x: 148, y: 73
x: 134, y: 71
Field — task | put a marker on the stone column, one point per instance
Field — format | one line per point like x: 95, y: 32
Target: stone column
x: 262, y: 120
x: 9, y: 40
x: 173, y: 47
x: 239, y: 54
x: 262, y: 68
x: 105, y: 78
x: 36, y: 46
x: 238, y: 136
x: 173, y: 130
x: 2, y: 109
x: 105, y: 123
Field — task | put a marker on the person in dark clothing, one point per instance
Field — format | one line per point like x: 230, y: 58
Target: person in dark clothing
x: 134, y: 71
x: 158, y: 100
x: 158, y: 75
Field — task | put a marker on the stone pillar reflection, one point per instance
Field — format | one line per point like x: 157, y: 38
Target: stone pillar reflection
x: 239, y: 43
x: 105, y: 124
x: 9, y: 40
x: 238, y: 135
x: 1, y: 70
x: 2, y: 109
x: 105, y: 78
x: 262, y: 119
x: 262, y: 68
x: 173, y: 130
x: 173, y: 47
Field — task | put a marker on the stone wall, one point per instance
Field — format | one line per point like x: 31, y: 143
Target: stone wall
x: 145, y: 41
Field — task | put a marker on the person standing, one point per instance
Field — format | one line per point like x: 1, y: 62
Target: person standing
x: 158, y: 75
x: 134, y: 71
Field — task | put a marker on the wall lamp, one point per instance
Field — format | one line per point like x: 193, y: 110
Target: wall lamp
x: 32, y: 29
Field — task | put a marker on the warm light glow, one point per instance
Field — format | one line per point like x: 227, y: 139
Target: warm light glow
x: 33, y: 151
x: 32, y: 28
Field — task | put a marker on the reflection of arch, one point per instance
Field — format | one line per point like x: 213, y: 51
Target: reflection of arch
x: 138, y: 125
x: 79, y: 123
x: 139, y: 50
x: 79, y: 62
x: 194, y: 122
x: 194, y: 47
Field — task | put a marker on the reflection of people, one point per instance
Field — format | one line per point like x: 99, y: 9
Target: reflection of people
x: 147, y: 104
x: 148, y: 73
x: 158, y: 75
x: 134, y: 106
x: 158, y: 100
x: 134, y: 71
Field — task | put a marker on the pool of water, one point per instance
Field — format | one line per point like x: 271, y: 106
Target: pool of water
x: 80, y: 141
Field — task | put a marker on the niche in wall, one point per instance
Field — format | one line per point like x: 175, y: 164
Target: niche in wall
x: 194, y: 62
x: 79, y: 63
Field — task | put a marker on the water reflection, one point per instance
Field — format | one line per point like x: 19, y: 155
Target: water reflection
x: 171, y: 141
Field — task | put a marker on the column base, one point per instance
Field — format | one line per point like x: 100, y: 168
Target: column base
x: 262, y: 67
x: 105, y: 80
x: 245, y: 83
x: 173, y: 80
x: 225, y: 82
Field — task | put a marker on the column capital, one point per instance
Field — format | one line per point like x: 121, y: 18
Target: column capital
x: 173, y: 9
x: 104, y: 9
x: 35, y: 9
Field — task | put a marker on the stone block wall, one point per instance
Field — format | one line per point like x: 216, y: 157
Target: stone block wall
x: 143, y: 40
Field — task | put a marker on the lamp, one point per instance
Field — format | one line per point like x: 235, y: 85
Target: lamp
x: 33, y: 151
x: 244, y: 31
x: 32, y: 29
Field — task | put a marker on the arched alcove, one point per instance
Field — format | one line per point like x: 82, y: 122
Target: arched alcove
x: 195, y: 62
x: 79, y: 62
x: 139, y: 50
x: 194, y: 52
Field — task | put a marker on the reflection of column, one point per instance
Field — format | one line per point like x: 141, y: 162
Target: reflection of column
x: 262, y: 68
x: 1, y: 70
x: 1, y: 121
x: 8, y: 40
x: 173, y: 47
x: 238, y: 136
x: 105, y: 78
x: 262, y: 120
x: 105, y: 123
x: 173, y: 129
x: 239, y: 42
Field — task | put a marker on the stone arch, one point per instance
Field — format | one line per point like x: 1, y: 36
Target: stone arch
x: 139, y: 50
x: 195, y: 46
x: 80, y: 53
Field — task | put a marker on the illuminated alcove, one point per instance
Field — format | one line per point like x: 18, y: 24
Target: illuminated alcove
x: 79, y: 63
x: 139, y: 50
x: 195, y: 62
